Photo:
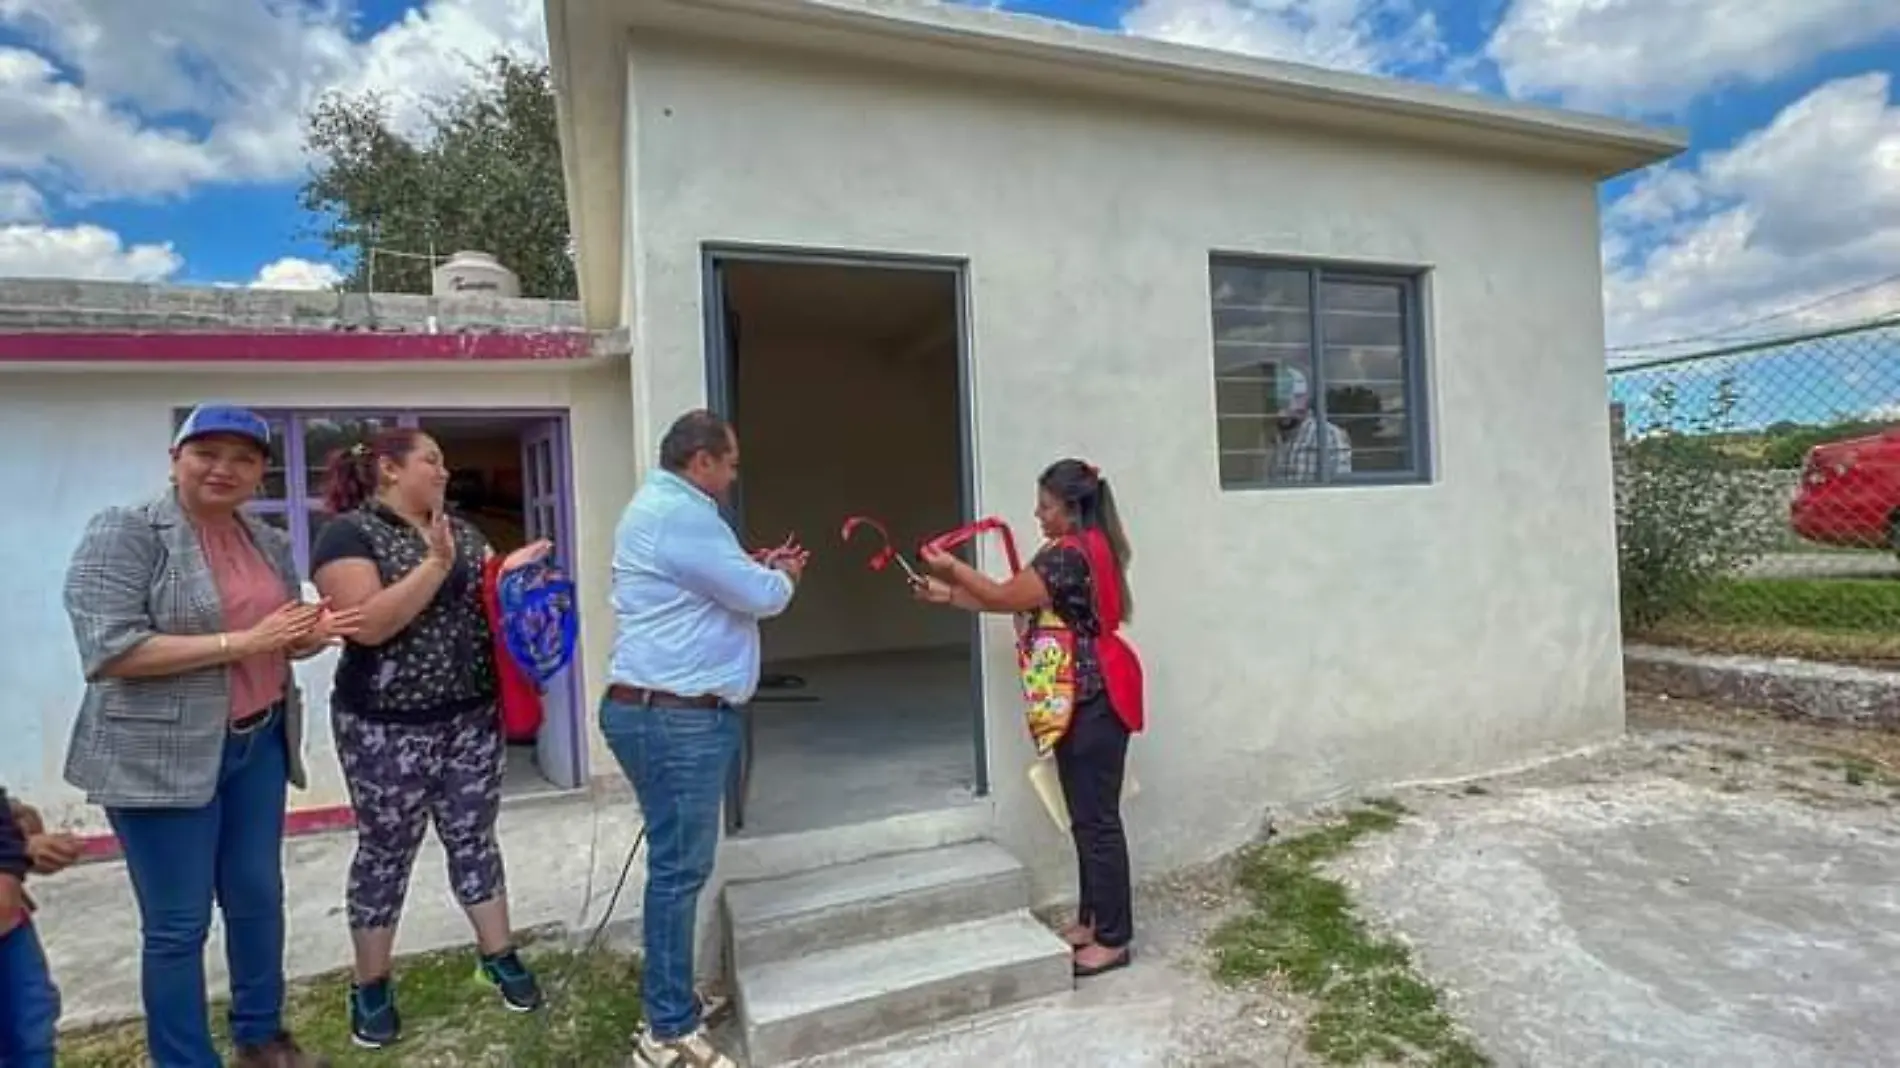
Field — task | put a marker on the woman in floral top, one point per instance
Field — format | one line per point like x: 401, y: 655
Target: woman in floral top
x: 413, y: 710
x: 1076, y: 587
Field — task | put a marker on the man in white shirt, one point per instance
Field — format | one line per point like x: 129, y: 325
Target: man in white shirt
x: 687, y: 604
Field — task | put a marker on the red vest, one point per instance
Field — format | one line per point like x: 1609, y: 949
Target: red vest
x: 1121, y: 665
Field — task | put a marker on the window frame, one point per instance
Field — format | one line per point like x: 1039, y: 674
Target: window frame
x: 1413, y: 361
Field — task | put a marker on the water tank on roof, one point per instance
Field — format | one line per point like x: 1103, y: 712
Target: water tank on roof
x: 475, y: 274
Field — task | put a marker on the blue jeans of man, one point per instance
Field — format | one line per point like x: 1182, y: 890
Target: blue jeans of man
x: 231, y: 852
x: 678, y: 760
x: 29, y: 1002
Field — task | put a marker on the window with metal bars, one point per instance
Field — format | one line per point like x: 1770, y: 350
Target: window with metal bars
x: 1319, y: 374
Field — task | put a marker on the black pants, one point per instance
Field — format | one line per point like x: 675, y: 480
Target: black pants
x: 1090, y: 759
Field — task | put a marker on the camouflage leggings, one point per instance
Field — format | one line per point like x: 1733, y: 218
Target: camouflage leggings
x: 401, y: 776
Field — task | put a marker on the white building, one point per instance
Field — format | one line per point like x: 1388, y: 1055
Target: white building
x: 922, y: 250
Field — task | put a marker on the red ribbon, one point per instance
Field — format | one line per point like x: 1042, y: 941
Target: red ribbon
x: 950, y: 539
x: 883, y: 557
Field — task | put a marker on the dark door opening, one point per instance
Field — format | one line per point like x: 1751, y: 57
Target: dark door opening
x: 847, y: 382
x: 509, y: 478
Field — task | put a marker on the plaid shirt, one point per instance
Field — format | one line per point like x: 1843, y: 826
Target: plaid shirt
x: 156, y: 742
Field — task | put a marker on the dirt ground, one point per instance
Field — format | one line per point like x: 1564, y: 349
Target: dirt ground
x: 1717, y: 888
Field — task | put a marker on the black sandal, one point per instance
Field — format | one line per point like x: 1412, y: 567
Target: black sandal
x: 1122, y: 960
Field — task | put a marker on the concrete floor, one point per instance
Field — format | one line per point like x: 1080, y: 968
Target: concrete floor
x: 522, y: 776
x: 866, y: 737
x: 1682, y: 900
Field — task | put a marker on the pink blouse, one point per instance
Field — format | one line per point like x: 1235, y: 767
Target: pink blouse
x: 250, y: 590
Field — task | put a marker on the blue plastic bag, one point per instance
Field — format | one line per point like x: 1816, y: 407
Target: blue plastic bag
x: 540, y: 619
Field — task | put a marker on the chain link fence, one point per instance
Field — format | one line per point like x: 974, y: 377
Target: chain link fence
x: 1758, y: 494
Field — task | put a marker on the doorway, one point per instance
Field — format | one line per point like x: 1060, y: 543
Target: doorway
x: 508, y: 478
x: 847, y: 380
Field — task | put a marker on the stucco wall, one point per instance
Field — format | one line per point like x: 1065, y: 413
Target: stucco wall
x: 72, y: 443
x: 837, y: 429
x: 1299, y: 643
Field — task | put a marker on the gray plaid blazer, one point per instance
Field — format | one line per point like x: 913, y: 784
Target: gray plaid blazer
x: 157, y: 742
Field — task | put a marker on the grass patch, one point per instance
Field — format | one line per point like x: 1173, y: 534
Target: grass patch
x: 1867, y: 648
x: 1847, y: 620
x: 1369, y: 1002
x: 449, y: 1018
x: 1847, y: 604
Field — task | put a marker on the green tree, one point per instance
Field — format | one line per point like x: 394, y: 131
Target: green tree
x: 1688, y: 511
x: 484, y: 173
x: 1789, y: 443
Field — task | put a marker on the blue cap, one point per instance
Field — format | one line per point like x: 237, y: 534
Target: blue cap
x: 207, y: 419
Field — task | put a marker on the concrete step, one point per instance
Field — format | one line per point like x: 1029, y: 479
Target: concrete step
x: 828, y: 1001
x: 815, y: 911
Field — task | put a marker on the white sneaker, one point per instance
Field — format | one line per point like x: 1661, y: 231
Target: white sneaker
x: 692, y: 1051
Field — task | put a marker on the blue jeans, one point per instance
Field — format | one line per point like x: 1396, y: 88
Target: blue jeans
x: 181, y: 860
x: 677, y: 760
x: 29, y: 1002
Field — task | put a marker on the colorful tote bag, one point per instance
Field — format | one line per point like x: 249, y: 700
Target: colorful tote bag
x: 1045, y: 656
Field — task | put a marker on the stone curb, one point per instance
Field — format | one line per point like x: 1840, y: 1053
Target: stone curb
x: 1832, y: 693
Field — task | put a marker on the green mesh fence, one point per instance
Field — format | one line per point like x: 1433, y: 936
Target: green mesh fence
x: 1758, y: 494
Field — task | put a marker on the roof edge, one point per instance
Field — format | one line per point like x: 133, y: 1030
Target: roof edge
x: 1143, y: 67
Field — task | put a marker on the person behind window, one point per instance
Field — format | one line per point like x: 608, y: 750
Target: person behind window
x: 414, y: 712
x: 187, y: 616
x: 1078, y: 583
x: 1296, y: 458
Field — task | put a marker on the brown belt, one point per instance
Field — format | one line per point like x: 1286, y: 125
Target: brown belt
x: 636, y: 695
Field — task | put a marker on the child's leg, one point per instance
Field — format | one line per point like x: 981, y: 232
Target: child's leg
x: 29, y: 1002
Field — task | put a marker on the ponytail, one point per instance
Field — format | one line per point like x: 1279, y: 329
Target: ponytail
x: 1081, y: 487
x: 352, y: 476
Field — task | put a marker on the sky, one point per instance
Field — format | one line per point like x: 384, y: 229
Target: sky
x: 161, y: 140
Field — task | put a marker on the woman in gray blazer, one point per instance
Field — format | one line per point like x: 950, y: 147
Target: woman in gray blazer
x: 187, y: 613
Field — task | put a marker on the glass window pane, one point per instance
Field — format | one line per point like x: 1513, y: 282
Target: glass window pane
x: 1266, y: 372
x: 1362, y: 314
x: 1260, y: 315
x: 1379, y: 442
x: 1239, y: 470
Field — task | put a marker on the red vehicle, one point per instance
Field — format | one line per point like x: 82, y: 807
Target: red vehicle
x: 1850, y: 493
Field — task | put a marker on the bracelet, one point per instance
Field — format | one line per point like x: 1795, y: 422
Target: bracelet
x: 224, y: 644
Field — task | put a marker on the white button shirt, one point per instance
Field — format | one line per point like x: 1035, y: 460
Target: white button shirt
x: 687, y: 597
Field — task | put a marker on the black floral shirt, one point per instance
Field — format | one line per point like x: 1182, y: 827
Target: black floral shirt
x: 440, y: 666
x: 1065, y: 573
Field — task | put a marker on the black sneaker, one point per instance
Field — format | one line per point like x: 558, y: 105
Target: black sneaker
x: 518, y: 989
x: 374, y: 1021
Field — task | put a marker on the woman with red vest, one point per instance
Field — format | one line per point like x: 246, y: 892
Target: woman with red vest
x: 1082, y: 678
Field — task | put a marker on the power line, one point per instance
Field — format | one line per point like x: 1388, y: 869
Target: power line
x: 1744, y: 348
x: 1728, y: 333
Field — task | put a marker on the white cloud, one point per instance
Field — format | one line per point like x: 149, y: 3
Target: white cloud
x: 52, y: 128
x: 20, y: 202
x: 293, y: 273
x: 1805, y: 207
x: 156, y: 97
x: 1359, y: 35
x: 83, y: 251
x: 1656, y: 55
